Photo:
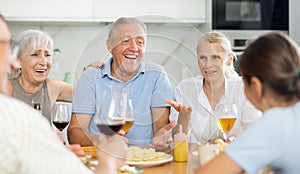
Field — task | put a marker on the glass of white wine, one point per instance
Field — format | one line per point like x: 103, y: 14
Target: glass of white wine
x: 226, y: 115
x: 129, y: 117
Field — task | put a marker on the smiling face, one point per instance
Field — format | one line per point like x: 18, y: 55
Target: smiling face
x: 127, y: 47
x: 36, y: 63
x: 211, y: 60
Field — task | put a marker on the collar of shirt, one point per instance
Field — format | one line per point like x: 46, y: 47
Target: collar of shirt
x: 106, y: 70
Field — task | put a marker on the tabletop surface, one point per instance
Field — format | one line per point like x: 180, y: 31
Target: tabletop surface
x: 177, y: 167
x: 185, y: 167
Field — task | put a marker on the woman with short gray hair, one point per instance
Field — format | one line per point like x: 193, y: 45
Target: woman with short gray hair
x: 32, y: 85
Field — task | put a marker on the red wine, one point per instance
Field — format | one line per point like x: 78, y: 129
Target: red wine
x: 60, y: 125
x: 110, y: 130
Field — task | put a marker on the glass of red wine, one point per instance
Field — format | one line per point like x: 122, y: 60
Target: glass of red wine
x: 111, y: 121
x: 60, y: 116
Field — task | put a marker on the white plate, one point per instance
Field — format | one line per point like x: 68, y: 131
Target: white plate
x: 195, y: 153
x: 151, y: 163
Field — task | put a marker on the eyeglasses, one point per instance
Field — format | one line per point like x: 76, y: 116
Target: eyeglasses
x: 14, y: 47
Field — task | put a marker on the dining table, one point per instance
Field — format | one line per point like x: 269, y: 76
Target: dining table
x: 187, y: 167
x: 173, y: 167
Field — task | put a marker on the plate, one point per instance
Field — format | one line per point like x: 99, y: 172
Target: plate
x: 144, y: 164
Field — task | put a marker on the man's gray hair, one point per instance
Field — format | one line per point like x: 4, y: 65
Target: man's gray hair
x: 125, y: 20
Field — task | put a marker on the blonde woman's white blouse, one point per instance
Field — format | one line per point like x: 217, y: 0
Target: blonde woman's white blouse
x: 203, y: 125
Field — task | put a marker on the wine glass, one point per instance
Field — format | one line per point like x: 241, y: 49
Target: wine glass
x: 226, y: 115
x: 111, y: 121
x: 129, y: 117
x: 60, y: 116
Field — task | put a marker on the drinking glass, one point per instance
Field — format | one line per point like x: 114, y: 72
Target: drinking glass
x: 129, y: 117
x: 109, y: 123
x: 60, y: 116
x: 226, y: 115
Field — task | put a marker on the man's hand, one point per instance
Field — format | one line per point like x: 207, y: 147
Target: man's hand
x: 163, y: 137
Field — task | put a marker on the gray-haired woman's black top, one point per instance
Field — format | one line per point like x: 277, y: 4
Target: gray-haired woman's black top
x: 41, y: 97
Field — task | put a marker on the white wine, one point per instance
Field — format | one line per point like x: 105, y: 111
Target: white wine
x: 127, y: 126
x: 226, y: 123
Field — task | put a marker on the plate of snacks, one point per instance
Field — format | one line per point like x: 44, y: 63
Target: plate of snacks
x: 146, y: 157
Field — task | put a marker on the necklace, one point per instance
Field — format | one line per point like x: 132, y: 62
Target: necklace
x: 37, y: 98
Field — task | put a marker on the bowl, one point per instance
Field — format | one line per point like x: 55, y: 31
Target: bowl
x: 90, y: 150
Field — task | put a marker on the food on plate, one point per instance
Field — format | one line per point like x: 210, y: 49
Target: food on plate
x: 137, y: 154
x: 222, y: 144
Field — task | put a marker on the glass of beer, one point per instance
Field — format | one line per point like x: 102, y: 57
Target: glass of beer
x: 226, y: 115
x: 129, y: 117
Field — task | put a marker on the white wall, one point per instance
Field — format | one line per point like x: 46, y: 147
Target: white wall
x: 294, y: 22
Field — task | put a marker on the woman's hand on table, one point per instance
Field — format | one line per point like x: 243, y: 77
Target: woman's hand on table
x: 163, y: 137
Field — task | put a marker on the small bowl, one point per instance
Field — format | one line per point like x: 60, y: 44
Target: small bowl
x: 90, y: 150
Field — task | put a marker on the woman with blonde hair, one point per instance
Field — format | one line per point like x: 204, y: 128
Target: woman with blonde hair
x: 271, y: 78
x: 219, y: 83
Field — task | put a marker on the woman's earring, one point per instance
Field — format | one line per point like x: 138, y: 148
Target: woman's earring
x: 19, y: 70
